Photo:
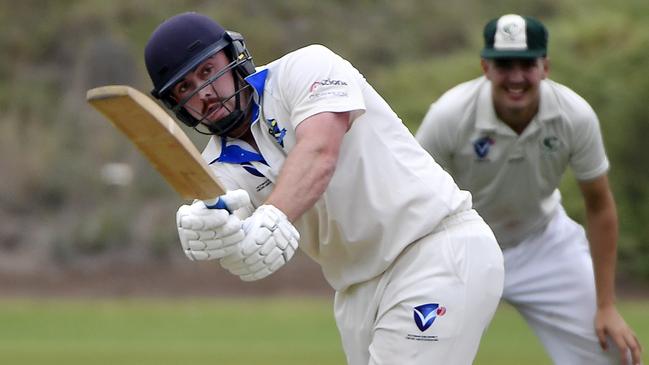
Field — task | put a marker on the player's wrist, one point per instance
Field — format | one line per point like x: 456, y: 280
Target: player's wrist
x: 607, y: 306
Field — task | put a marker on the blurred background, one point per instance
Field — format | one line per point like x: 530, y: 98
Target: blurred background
x: 83, y: 215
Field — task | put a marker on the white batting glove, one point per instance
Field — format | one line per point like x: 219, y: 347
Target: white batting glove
x: 236, y: 201
x: 270, y: 242
x: 207, y: 234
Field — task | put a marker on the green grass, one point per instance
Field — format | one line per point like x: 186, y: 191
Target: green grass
x: 237, y: 331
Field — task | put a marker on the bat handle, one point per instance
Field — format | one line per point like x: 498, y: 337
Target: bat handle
x: 217, y: 203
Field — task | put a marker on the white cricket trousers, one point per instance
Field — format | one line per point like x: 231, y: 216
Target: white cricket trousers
x: 549, y: 279
x: 432, y: 305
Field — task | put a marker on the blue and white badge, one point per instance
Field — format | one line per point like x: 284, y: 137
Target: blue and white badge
x: 425, y: 315
x: 482, y: 145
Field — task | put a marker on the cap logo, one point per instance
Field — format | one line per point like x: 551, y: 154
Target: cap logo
x: 510, y: 33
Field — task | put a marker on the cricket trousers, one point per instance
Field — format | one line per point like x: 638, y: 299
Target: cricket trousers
x: 549, y: 279
x: 432, y: 305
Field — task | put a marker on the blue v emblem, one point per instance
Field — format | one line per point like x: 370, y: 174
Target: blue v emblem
x: 482, y: 145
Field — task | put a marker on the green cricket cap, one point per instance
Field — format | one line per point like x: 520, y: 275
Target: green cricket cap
x: 514, y: 36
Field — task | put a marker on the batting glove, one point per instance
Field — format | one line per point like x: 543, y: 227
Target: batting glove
x: 270, y: 242
x: 207, y: 234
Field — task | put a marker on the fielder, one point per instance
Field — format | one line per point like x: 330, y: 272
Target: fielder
x: 507, y: 137
x: 313, y: 155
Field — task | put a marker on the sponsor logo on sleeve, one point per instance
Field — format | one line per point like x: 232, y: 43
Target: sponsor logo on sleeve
x: 322, y: 88
x: 326, y: 82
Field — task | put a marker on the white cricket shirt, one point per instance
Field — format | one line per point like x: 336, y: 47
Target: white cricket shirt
x: 513, y: 178
x: 386, y: 191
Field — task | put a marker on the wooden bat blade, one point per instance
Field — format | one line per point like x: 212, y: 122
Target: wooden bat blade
x: 159, y: 138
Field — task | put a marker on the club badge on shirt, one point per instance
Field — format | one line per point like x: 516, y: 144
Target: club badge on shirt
x: 550, y: 144
x: 273, y: 129
x: 481, y: 146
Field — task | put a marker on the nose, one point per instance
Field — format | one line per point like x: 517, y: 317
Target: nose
x: 516, y: 73
x: 206, y: 92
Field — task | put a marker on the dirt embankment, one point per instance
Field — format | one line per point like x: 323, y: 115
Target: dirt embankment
x: 131, y: 275
x: 171, y: 277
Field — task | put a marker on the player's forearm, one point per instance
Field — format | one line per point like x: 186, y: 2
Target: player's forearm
x: 304, y: 178
x: 602, y: 234
x: 310, y: 165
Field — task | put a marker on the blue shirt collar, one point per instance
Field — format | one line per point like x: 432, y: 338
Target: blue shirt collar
x: 258, y: 80
x: 235, y: 154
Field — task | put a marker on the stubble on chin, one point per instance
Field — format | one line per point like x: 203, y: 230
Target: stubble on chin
x: 240, y: 131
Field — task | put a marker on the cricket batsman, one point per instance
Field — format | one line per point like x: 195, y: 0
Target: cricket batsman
x: 313, y: 156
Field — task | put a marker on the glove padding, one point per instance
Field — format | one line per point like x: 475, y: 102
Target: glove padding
x: 207, y: 234
x: 270, y: 242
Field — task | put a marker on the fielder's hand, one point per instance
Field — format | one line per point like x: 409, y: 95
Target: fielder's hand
x: 207, y: 234
x: 609, y: 322
x: 270, y: 242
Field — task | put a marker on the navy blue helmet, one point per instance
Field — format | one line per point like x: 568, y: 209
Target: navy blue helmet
x: 178, y: 46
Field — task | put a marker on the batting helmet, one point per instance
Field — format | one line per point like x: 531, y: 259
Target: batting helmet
x: 178, y: 46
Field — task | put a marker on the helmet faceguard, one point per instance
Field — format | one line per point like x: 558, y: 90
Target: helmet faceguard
x: 232, y: 120
x: 182, y: 43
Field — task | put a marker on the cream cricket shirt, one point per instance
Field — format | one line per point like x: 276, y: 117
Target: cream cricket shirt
x: 513, y: 179
x: 386, y: 191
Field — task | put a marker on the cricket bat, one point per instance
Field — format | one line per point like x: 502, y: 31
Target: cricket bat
x: 160, y: 139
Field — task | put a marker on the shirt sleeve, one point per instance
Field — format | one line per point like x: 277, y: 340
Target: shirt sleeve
x: 434, y: 138
x: 588, y: 157
x: 315, y: 80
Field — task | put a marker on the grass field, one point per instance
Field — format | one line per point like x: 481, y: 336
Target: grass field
x: 231, y: 332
